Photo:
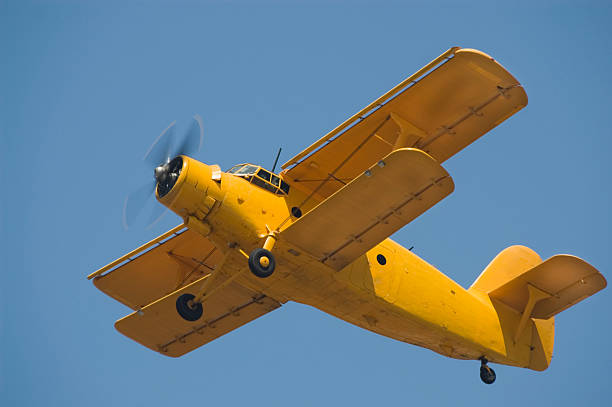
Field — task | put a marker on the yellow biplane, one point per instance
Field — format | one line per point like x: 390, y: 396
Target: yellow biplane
x: 317, y: 233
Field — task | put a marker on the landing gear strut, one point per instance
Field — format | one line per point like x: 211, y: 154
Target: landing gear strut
x: 487, y: 375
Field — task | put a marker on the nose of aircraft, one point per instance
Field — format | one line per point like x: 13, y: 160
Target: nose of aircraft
x: 167, y: 174
x: 182, y: 184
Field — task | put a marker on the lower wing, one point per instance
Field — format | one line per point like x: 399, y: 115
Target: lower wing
x: 153, y: 279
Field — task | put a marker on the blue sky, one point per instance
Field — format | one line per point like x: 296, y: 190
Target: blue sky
x: 85, y: 89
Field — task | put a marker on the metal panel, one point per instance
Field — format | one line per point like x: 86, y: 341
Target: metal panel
x: 387, y: 196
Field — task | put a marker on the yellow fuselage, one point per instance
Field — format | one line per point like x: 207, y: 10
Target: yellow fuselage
x: 405, y: 298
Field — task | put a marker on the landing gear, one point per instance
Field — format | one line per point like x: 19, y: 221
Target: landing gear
x: 487, y: 375
x: 187, y: 308
x: 262, y: 263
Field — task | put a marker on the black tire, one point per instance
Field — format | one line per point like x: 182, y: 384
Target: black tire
x: 487, y: 375
x: 188, y: 313
x: 256, y: 267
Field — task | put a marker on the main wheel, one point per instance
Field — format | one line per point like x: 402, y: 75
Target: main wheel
x: 487, y: 375
x: 262, y: 263
x: 187, y: 309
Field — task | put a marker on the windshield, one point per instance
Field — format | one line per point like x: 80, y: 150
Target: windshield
x: 246, y: 170
x: 234, y: 168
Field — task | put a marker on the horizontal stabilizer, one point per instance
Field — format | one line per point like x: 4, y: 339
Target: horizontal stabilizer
x: 562, y: 281
x: 384, y: 198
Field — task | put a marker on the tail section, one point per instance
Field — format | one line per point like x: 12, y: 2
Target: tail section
x: 507, y: 265
x: 537, y: 290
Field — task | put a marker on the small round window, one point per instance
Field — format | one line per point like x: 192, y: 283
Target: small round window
x: 382, y: 260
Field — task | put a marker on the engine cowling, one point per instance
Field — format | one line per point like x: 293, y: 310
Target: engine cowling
x: 187, y: 187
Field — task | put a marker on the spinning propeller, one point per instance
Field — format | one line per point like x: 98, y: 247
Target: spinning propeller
x: 166, y: 169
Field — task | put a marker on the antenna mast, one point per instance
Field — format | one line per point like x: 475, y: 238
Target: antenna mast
x: 277, y: 155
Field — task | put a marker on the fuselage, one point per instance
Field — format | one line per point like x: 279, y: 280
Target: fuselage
x: 389, y: 290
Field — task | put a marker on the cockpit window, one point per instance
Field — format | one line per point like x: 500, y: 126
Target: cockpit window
x: 265, y: 185
x: 284, y: 187
x: 235, y: 168
x: 246, y: 170
x: 263, y: 174
x: 260, y: 177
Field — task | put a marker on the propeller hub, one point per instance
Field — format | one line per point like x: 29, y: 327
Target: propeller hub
x: 166, y: 175
x: 160, y: 172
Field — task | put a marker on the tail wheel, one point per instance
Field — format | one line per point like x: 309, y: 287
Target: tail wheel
x: 487, y: 375
x: 262, y: 263
x: 189, y: 310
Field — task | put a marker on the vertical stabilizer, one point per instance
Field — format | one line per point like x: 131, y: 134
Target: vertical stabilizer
x: 508, y: 264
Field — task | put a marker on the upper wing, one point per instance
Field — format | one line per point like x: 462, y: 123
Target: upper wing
x: 370, y: 208
x: 151, y: 278
x: 465, y: 95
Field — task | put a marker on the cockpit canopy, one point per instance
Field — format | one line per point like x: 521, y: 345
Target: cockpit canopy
x: 257, y: 175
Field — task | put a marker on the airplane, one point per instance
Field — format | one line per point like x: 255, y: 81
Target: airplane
x: 317, y: 233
